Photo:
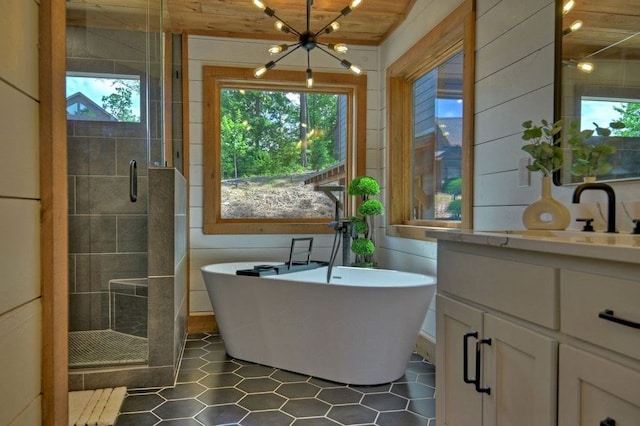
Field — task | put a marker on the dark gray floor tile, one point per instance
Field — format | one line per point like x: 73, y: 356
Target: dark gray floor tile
x: 427, y: 379
x: 403, y: 418
x: 342, y: 395
x: 179, y: 409
x: 424, y: 407
x: 412, y: 390
x: 182, y: 391
x: 262, y: 401
x: 321, y: 421
x: 220, y: 355
x: 298, y: 390
x: 306, y: 407
x: 185, y: 376
x: 192, y: 363
x: 137, y: 419
x: 353, y: 414
x: 221, y: 396
x: 220, y: 367
x: 220, y: 380
x: 255, y: 371
x: 385, y: 401
x: 262, y: 384
x: 180, y: 422
x: 267, y: 418
x: 193, y: 353
x: 135, y: 403
x: 222, y: 414
x: 421, y: 367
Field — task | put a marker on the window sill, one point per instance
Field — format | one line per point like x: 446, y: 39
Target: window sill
x: 414, y: 232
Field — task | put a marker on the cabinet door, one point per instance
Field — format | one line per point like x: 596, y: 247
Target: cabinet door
x: 594, y: 391
x: 457, y: 402
x: 520, y: 369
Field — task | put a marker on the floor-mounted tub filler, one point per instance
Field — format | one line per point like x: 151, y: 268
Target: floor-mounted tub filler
x: 360, y: 328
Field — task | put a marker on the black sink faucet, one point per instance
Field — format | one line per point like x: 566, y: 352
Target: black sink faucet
x: 611, y: 200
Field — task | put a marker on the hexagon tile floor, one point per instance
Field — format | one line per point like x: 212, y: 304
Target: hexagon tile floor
x: 213, y: 389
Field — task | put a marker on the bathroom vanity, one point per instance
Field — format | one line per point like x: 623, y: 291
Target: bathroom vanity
x: 537, y: 328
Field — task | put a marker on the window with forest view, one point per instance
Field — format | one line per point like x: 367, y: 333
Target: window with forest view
x: 274, y: 141
x: 268, y: 147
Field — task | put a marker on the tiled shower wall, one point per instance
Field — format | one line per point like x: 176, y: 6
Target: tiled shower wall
x: 108, y: 232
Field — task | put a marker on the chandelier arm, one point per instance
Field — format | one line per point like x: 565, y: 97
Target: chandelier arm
x: 328, y: 53
x: 293, y: 30
x: 319, y: 32
x: 289, y: 52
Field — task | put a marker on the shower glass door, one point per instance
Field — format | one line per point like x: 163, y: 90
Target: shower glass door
x: 114, y: 133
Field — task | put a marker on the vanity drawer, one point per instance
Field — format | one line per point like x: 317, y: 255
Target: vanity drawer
x: 585, y: 298
x: 524, y: 290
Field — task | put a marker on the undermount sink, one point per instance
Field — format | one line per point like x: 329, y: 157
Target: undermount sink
x: 603, y: 238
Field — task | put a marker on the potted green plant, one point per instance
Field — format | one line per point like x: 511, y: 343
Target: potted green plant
x: 363, y: 244
x: 590, y: 156
x: 544, y: 148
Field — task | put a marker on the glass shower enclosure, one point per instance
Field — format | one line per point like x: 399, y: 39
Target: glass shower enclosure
x: 115, y: 127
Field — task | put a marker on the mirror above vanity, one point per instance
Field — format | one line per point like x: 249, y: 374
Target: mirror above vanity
x: 597, y: 83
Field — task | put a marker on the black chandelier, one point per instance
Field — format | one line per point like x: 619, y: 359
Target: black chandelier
x: 307, y: 40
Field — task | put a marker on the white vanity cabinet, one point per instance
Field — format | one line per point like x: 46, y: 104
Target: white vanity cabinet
x: 520, y: 338
x: 506, y: 377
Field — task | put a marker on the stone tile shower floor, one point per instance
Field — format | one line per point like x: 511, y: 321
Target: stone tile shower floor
x: 214, y: 389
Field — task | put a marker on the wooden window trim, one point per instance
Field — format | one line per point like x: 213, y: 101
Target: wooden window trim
x: 217, y: 77
x: 456, y: 32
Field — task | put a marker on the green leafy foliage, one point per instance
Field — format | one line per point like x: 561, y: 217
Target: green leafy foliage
x: 261, y: 133
x: 455, y: 208
x: 453, y: 187
x: 629, y: 120
x: 120, y: 103
x: 590, y: 156
x: 363, y: 246
x: 544, y: 146
x: 370, y: 208
x: 364, y: 186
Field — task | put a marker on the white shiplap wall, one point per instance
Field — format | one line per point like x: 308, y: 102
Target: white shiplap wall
x: 20, y: 295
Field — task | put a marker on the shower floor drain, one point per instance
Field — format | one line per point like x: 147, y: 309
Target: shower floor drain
x: 100, y: 348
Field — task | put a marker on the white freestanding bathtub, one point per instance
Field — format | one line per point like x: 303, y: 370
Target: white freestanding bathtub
x: 358, y: 329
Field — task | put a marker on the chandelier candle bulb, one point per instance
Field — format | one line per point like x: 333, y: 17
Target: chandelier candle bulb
x: 309, y: 78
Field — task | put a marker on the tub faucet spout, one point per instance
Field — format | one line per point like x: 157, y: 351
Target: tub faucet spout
x: 611, y: 201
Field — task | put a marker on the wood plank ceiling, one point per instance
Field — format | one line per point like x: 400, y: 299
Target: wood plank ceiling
x: 369, y: 24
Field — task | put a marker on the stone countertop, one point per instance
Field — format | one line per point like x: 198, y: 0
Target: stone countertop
x: 614, y: 247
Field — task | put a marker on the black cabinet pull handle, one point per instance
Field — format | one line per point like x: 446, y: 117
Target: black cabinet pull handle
x: 608, y: 315
x: 133, y: 181
x: 608, y: 422
x: 465, y: 357
x: 486, y: 341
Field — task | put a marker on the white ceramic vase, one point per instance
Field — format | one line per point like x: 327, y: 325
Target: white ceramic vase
x: 546, y: 213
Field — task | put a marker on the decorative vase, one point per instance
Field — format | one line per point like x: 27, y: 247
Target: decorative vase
x: 588, y: 179
x: 546, y: 213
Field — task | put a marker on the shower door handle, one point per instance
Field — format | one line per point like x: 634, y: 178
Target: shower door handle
x: 133, y: 181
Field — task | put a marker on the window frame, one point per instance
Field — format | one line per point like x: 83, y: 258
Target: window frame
x: 454, y: 34
x: 216, y: 78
